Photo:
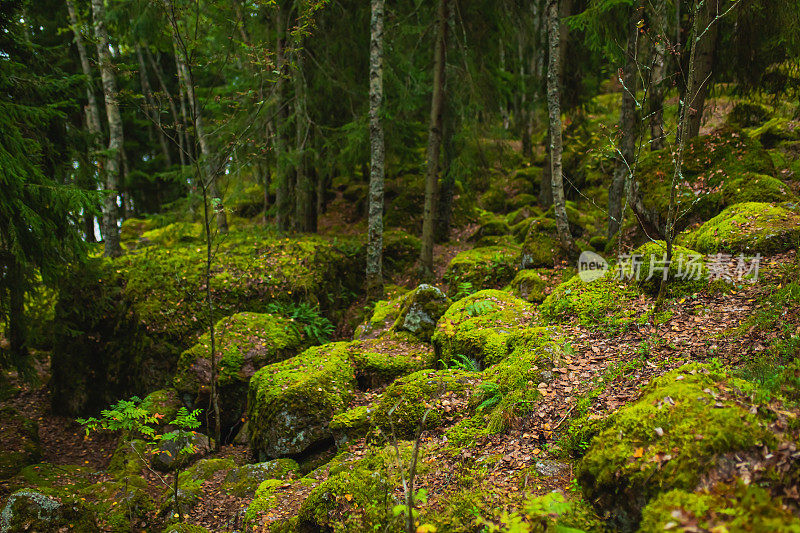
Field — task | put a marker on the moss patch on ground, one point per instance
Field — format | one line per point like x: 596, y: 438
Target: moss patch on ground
x: 605, y: 301
x: 687, y: 271
x: 482, y: 268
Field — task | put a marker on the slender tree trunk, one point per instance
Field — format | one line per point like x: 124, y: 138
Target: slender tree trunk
x: 16, y: 324
x: 554, y: 108
x: 282, y: 198
x: 115, y: 134
x: 702, y: 66
x: 376, y: 175
x: 627, y: 127
x: 304, y: 190
x: 154, y: 112
x: 658, y: 75
x: 683, y: 134
x: 434, y: 140
x: 209, y: 174
x: 179, y: 138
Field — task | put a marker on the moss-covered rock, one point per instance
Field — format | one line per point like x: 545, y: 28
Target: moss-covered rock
x: 165, y: 403
x: 541, y: 246
x: 133, y: 228
x: 747, y: 228
x: 183, y: 527
x: 491, y: 224
x: 747, y: 115
x: 119, y: 505
x: 129, y: 458
x: 606, y: 301
x: 480, y: 327
x: 738, y: 509
x: 483, y: 268
x: 167, y: 455
x: 121, y: 324
x: 245, y: 342
x: 291, y: 403
x: 175, y: 233
x: 403, y: 405
x: 378, y: 362
x: 710, y: 163
x: 666, y: 440
x: 421, y: 308
x: 351, y: 425
x: 750, y: 187
x: 244, y: 480
x: 776, y: 130
x: 20, y: 437
x: 263, y: 502
x: 529, y: 286
x: 190, y: 483
x: 400, y: 250
x: 44, y: 511
x: 687, y: 271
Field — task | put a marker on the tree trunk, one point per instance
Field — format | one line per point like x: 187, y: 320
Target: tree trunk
x: 658, y: 75
x: 376, y: 175
x: 304, y: 189
x: 179, y: 138
x: 153, y: 113
x: 434, y: 141
x: 554, y: 109
x: 115, y: 134
x: 702, y: 66
x: 209, y: 170
x: 625, y: 164
x: 282, y: 199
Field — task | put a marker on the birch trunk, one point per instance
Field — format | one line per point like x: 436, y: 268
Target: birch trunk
x: 434, y: 141
x: 115, y: 134
x: 376, y: 175
x: 554, y: 109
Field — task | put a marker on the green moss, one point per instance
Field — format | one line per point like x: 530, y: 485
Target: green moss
x: 491, y: 225
x: 129, y: 458
x: 244, y: 480
x: 45, y: 510
x: 291, y: 403
x: 421, y: 308
x: 521, y: 200
x: 264, y: 501
x: 380, y: 361
x: 404, y: 403
x: 175, y: 233
x: 119, y: 505
x: 486, y: 267
x: 747, y: 228
x: 351, y: 425
x: 479, y: 327
x: 687, y: 271
x: 70, y: 478
x: 183, y: 527
x: 666, y: 440
x: 774, y: 131
x: 20, y: 437
x: 137, y: 313
x: 541, y: 247
x: 190, y: 485
x: 605, y: 301
x: 133, y: 228
x: 755, y: 188
x: 400, y: 250
x: 748, y: 114
x: 736, y: 509
x: 529, y: 286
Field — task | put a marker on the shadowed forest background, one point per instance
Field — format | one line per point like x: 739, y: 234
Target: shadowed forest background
x: 315, y: 265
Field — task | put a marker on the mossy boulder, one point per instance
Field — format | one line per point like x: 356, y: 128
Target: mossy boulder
x: 190, y: 485
x: 687, y: 271
x: 244, y: 480
x: 421, y: 308
x: 183, y: 527
x: 479, y: 328
x: 20, y: 437
x: 529, y: 286
x: 133, y: 228
x: 167, y: 456
x: 607, y: 301
x: 736, y: 508
x: 748, y: 114
x: 403, y: 405
x: 400, y: 249
x: 44, y: 511
x: 378, y: 362
x: 673, y: 434
x: 291, y: 403
x: 119, y: 505
x: 121, y: 324
x: 165, y: 403
x: 723, y: 160
x: 351, y: 425
x: 175, y: 233
x: 264, y: 501
x: 775, y: 131
x: 383, y: 317
x: 360, y: 496
x: 491, y: 224
x: 752, y: 187
x: 748, y: 228
x: 245, y: 342
x: 482, y: 268
x: 541, y: 246
x: 129, y: 458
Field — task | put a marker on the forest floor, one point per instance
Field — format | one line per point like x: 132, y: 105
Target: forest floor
x: 607, y: 367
